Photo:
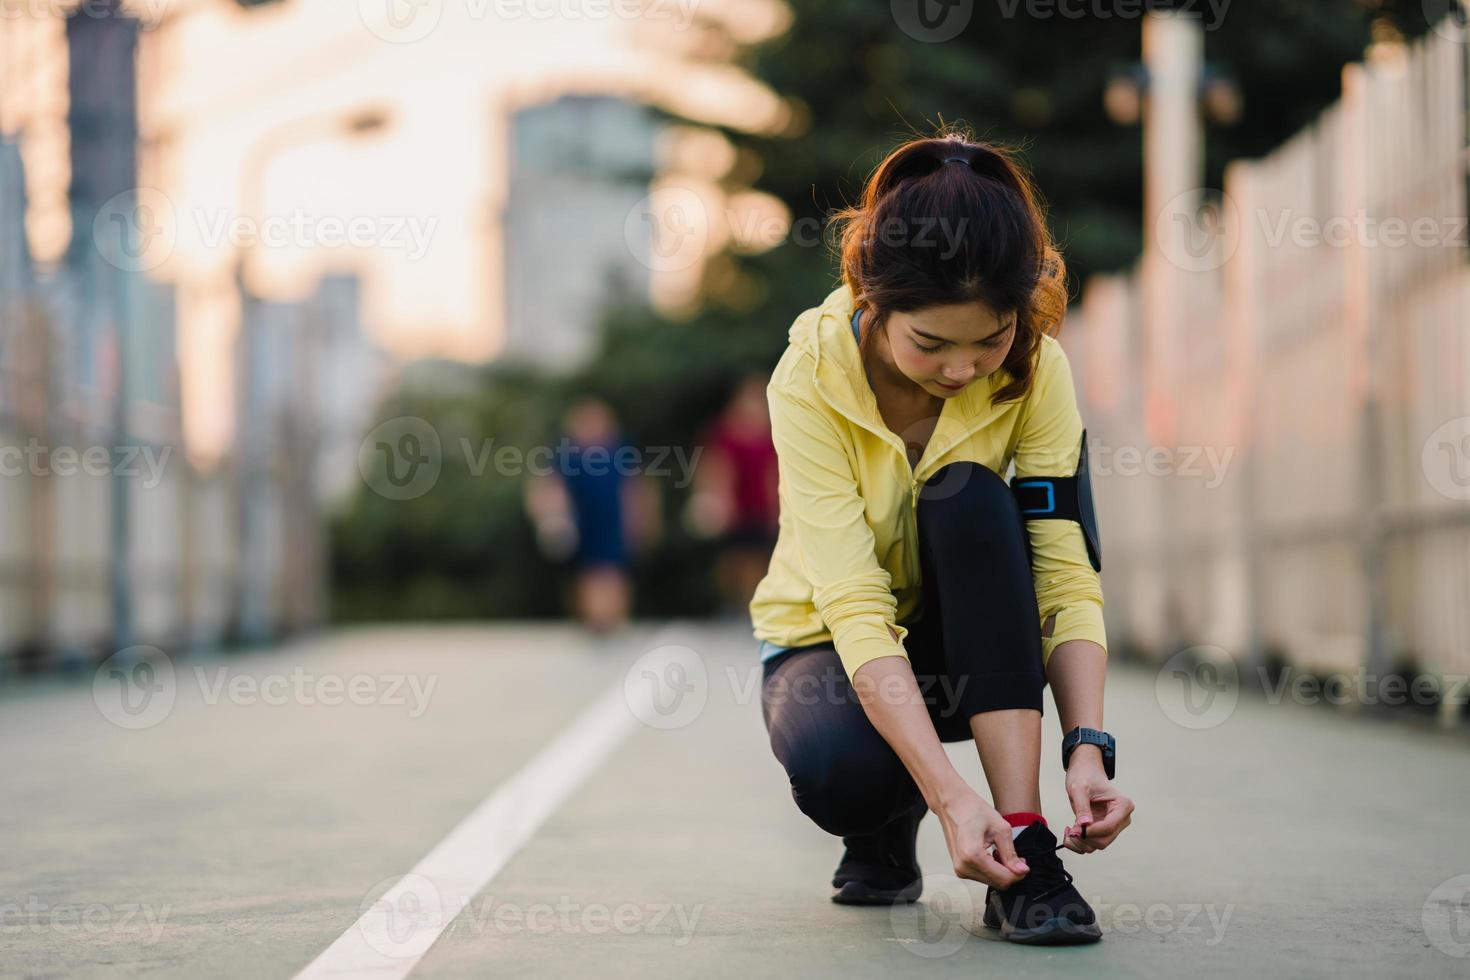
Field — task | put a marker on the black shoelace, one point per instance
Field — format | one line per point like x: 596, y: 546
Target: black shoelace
x: 1046, y: 875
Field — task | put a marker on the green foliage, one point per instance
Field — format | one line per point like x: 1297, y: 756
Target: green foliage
x: 1037, y: 83
x: 466, y: 549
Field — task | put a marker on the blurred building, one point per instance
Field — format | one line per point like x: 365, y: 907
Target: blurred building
x: 349, y: 378
x: 308, y: 382
x: 109, y: 534
x: 15, y: 259
x: 574, y: 243
x: 23, y: 398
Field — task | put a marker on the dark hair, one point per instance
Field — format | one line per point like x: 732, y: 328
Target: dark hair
x: 967, y: 230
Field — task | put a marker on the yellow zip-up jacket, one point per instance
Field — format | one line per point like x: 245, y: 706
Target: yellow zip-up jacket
x: 845, y: 568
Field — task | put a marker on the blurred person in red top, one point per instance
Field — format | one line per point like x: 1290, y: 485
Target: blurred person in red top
x: 734, y: 499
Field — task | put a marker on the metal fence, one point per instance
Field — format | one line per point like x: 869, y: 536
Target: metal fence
x: 57, y: 592
x: 234, y: 552
x: 1290, y: 478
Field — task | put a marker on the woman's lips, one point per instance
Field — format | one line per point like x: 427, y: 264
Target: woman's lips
x: 949, y: 387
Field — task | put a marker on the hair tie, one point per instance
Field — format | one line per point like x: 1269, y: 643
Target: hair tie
x: 963, y: 160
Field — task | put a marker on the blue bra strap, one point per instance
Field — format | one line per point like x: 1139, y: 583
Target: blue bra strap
x: 855, y: 335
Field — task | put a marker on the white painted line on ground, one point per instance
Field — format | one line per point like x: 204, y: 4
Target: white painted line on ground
x: 390, y: 938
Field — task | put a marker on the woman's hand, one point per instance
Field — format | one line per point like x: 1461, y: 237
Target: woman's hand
x: 1096, y: 803
x: 971, y: 828
x: 890, y: 695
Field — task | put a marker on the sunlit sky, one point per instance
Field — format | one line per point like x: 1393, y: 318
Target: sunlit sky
x: 224, y: 91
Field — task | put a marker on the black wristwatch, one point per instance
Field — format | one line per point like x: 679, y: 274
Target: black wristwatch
x: 1091, y: 736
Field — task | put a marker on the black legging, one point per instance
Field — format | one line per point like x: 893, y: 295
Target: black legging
x: 977, y: 648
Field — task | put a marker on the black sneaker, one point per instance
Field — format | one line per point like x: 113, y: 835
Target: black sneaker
x: 1043, y: 908
x: 881, y: 868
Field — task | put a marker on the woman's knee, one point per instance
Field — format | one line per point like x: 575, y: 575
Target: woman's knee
x: 843, y: 774
x: 851, y: 789
x: 977, y: 579
x: 966, y: 503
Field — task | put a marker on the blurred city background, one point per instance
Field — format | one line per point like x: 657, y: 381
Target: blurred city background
x: 256, y: 255
x: 418, y: 349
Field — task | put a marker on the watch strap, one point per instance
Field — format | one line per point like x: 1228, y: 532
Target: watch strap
x: 1091, y: 736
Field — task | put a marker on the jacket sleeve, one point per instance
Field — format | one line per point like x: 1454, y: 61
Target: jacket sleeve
x: 1050, y: 440
x: 850, y: 588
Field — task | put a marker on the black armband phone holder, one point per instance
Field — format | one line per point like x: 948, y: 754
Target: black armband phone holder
x: 1065, y: 498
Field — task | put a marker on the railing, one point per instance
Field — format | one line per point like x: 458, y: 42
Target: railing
x: 1294, y: 483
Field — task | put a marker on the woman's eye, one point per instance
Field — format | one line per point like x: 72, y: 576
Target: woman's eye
x: 926, y: 350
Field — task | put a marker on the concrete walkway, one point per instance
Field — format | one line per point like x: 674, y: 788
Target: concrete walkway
x: 248, y: 826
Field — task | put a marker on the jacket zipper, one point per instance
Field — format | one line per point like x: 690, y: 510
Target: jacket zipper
x: 888, y: 436
x: 911, y: 543
x: 911, y: 537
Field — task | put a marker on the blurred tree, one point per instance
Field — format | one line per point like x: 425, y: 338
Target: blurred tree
x: 464, y: 549
x: 861, y: 84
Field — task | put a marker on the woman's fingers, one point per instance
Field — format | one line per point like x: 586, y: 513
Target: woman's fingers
x: 1003, y: 868
x: 1005, y: 849
x: 984, y: 868
x: 1079, y: 794
x: 1116, y: 818
x: 971, y: 829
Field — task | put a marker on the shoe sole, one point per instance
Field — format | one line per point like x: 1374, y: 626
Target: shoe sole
x: 1052, y: 932
x: 858, y: 893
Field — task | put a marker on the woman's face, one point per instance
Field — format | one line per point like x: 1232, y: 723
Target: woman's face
x: 944, y: 349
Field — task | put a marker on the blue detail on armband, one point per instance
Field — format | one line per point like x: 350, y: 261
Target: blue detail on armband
x: 1066, y: 498
x: 1051, y: 496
